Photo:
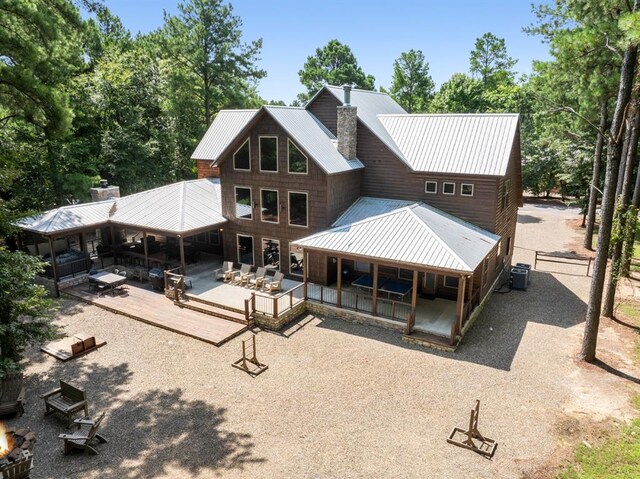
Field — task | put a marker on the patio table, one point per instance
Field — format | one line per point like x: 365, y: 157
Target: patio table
x: 366, y: 282
x: 109, y: 280
x: 396, y: 287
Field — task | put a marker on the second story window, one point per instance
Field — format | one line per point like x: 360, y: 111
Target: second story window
x: 269, y: 209
x: 297, y: 161
x: 243, y: 203
x: 242, y: 157
x: 269, y: 153
x: 430, y: 186
x: 448, y: 188
x: 298, y: 209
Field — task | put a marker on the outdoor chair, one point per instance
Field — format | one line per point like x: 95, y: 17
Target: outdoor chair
x: 256, y: 280
x: 82, y: 440
x: 225, y: 273
x: 12, y: 395
x: 66, y: 400
x: 240, y: 277
x: 275, y: 284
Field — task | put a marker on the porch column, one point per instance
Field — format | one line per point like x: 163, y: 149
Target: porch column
x: 113, y: 242
x: 182, y: 261
x: 470, y: 289
x: 414, y: 301
x: 146, y: 250
x: 339, y: 299
x: 54, y: 267
x: 19, y: 240
x: 460, y: 304
x: 374, y: 306
x: 36, y: 239
x: 305, y: 265
x: 83, y: 246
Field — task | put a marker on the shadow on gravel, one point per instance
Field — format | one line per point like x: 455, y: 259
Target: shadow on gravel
x: 616, y: 372
x: 528, y: 219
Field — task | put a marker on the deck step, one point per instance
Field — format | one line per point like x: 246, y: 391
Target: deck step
x: 198, y: 299
x: 212, y: 310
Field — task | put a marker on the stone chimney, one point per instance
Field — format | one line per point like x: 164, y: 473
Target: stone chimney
x: 347, y: 126
x: 105, y: 191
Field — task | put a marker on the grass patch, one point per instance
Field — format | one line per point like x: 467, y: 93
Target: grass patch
x: 630, y: 310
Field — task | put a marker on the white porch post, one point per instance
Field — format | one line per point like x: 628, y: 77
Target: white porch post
x: 414, y: 301
x: 339, y: 298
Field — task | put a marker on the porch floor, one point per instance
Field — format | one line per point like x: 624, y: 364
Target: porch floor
x: 152, y: 307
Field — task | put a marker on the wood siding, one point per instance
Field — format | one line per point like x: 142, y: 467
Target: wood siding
x: 205, y: 170
x: 324, y: 109
x: 343, y: 190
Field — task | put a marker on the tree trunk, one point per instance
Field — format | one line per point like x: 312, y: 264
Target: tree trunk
x: 625, y: 193
x: 630, y: 233
x: 595, y: 176
x: 614, y: 147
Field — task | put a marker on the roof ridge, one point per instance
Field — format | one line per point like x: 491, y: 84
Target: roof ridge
x: 467, y: 115
x: 429, y: 229
x: 358, y: 89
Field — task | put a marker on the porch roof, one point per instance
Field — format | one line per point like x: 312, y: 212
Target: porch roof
x: 417, y: 235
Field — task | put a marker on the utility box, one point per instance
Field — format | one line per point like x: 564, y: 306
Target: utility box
x: 528, y: 268
x: 519, y: 278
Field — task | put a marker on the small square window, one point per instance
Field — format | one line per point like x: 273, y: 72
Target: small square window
x: 466, y: 189
x: 430, y: 186
x: 450, y: 281
x: 449, y: 188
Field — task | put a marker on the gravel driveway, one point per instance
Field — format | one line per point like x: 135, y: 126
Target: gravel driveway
x: 339, y: 400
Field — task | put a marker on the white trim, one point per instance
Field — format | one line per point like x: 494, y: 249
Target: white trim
x: 289, y: 140
x: 260, y: 153
x: 444, y: 281
x: 277, y: 206
x: 431, y: 192
x: 444, y: 183
x: 235, y: 202
x: 279, y: 253
x: 462, y: 193
x: 233, y: 157
x: 290, y: 252
x: 253, y: 246
x: 289, y: 208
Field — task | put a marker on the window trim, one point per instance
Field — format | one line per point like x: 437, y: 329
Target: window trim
x: 444, y: 282
x: 235, y: 202
x: 279, y: 252
x: 435, y: 191
x: 290, y: 141
x: 445, y: 183
x: 289, y: 208
x: 253, y: 245
x: 277, y: 206
x: 235, y: 152
x: 289, y: 260
x: 260, y: 154
x: 462, y: 185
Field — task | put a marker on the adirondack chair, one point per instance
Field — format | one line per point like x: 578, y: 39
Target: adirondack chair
x: 82, y: 440
x: 20, y: 469
x: 226, y: 272
x: 275, y: 284
x: 12, y: 395
x: 66, y: 400
x: 242, y: 275
x: 256, y: 280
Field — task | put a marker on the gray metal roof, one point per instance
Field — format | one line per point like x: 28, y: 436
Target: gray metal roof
x: 415, y: 235
x: 313, y: 137
x: 67, y: 218
x: 366, y: 207
x: 370, y: 104
x: 177, y: 208
x: 460, y: 144
x: 223, y: 130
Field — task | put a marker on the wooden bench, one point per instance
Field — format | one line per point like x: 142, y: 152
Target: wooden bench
x: 66, y: 400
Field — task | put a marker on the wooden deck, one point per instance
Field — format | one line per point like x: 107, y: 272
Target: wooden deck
x: 152, y: 307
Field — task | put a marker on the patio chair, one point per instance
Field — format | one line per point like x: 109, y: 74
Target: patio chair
x: 241, y: 276
x: 256, y: 280
x: 225, y: 273
x: 275, y: 284
x: 82, y: 440
x: 12, y: 395
x: 66, y: 400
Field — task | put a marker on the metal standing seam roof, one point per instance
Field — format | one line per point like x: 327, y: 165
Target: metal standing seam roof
x: 177, y: 208
x: 417, y: 235
x: 222, y: 131
x: 366, y: 207
x: 370, y: 104
x: 470, y: 144
x: 68, y: 218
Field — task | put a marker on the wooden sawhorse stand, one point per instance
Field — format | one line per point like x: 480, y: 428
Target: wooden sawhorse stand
x: 250, y: 365
x: 471, y: 438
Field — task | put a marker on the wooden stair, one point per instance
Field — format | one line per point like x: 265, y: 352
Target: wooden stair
x: 206, y: 307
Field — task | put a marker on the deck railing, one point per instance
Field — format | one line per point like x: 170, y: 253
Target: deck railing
x: 277, y: 305
x: 386, y: 308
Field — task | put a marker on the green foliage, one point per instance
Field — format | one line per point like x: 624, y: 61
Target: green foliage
x: 489, y: 60
x: 412, y: 86
x: 333, y: 64
x: 459, y: 94
x: 25, y: 309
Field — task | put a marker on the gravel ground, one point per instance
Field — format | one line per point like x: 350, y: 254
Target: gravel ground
x: 339, y: 400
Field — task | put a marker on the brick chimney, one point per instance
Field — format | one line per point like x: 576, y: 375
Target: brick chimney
x: 347, y: 126
x: 104, y: 192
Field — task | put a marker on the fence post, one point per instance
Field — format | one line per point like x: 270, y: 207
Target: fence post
x: 393, y: 310
x: 291, y: 299
x: 535, y: 264
x: 253, y: 303
x: 246, y: 309
x: 321, y: 294
x: 275, y: 307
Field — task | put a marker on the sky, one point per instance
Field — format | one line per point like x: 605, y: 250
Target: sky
x: 376, y: 31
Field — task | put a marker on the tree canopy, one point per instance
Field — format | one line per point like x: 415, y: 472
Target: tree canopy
x: 412, y: 86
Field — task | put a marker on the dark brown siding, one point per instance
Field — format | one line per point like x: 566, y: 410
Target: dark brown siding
x: 314, y: 184
x: 343, y: 190
x: 324, y: 108
x: 205, y: 170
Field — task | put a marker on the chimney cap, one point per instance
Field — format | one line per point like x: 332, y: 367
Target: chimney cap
x: 347, y: 94
x: 104, y: 183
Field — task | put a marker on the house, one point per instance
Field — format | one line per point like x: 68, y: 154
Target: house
x: 351, y: 193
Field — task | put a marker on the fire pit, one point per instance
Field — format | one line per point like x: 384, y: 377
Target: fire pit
x: 15, y: 452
